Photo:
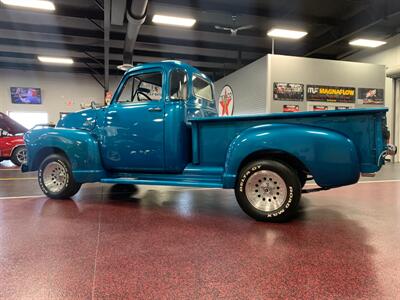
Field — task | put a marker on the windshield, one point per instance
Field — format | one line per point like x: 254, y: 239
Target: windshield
x: 202, y: 88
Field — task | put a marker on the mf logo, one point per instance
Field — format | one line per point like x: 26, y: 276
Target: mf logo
x: 312, y: 90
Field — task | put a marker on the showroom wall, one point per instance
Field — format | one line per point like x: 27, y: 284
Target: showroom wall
x: 321, y: 72
x: 61, y: 92
x: 253, y: 85
x: 248, y: 85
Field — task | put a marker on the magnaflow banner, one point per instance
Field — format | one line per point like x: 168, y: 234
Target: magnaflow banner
x: 336, y: 94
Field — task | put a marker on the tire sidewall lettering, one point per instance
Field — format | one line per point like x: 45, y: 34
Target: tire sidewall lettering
x: 244, y: 177
x: 290, y: 191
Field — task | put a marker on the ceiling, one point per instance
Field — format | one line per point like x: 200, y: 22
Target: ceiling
x: 78, y: 28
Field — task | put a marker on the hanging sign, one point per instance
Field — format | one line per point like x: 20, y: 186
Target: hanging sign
x: 226, y: 101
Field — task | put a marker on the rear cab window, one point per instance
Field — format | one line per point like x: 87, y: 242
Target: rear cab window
x: 202, y: 89
x: 178, y: 89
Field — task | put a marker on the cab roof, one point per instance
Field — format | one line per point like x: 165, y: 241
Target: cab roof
x: 168, y: 65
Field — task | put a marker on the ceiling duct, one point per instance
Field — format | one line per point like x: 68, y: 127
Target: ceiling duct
x: 136, y: 16
x: 393, y: 72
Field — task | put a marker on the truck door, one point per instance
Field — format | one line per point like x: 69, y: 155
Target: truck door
x: 133, y: 131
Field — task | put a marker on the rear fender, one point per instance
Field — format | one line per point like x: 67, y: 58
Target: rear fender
x: 79, y: 146
x: 330, y: 157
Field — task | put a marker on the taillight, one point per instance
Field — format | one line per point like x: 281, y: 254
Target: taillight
x: 385, y: 131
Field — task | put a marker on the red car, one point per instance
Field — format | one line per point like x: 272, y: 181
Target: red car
x: 12, y: 145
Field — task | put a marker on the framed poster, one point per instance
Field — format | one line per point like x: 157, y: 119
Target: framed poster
x: 336, y: 94
x: 288, y: 91
x: 371, y: 96
x: 291, y: 108
x: 320, y: 107
x: 25, y: 95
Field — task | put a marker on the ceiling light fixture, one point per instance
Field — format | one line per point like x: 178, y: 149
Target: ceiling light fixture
x: 37, y: 4
x: 168, y: 20
x: 367, y: 43
x: 285, y: 33
x: 56, y: 60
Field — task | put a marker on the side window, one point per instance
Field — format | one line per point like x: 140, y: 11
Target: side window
x: 202, y: 88
x: 178, y: 85
x: 142, y: 87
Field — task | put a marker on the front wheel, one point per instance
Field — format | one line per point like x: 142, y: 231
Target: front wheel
x: 268, y: 190
x: 18, y: 156
x: 55, y: 177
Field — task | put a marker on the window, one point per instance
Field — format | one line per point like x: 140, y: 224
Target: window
x: 178, y: 85
x: 29, y: 119
x: 142, y: 87
x: 202, y: 88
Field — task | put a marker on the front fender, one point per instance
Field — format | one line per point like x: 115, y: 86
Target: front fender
x: 80, y: 147
x: 331, y: 158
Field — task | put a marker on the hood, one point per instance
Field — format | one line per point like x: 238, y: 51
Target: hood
x: 84, y: 119
x: 9, y: 125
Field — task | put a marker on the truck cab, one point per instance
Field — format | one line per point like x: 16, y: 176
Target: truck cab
x: 146, y: 128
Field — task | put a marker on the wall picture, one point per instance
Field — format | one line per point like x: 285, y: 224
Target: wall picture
x: 371, y: 96
x: 291, y: 108
x: 288, y: 91
x: 25, y: 95
x: 336, y: 94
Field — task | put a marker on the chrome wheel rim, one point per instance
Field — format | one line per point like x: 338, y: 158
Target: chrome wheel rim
x: 55, y: 177
x: 21, y: 155
x: 266, y: 190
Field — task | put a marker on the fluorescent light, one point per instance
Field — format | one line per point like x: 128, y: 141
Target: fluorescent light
x: 285, y: 33
x: 168, y: 20
x: 56, y: 60
x: 38, y: 4
x: 367, y: 43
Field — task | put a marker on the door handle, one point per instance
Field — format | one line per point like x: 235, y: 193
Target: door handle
x: 154, y: 109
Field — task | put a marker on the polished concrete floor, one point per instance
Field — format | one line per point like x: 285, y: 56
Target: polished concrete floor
x: 179, y: 243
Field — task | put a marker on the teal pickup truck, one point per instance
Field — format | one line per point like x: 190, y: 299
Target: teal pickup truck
x: 162, y: 128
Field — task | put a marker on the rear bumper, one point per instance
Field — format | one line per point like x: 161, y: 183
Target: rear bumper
x: 391, y: 149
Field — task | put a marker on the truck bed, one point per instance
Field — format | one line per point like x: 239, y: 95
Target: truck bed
x: 213, y: 135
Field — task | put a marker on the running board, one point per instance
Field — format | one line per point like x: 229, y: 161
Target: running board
x: 184, y: 183
x: 314, y: 190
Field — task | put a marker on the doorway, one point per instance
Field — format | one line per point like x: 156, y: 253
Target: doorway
x: 29, y: 119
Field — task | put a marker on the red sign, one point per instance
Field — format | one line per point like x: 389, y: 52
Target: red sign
x: 291, y: 108
x: 320, y: 107
x: 226, y: 102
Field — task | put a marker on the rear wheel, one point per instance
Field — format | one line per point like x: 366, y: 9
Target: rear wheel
x: 268, y: 190
x: 18, y: 156
x: 55, y: 177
